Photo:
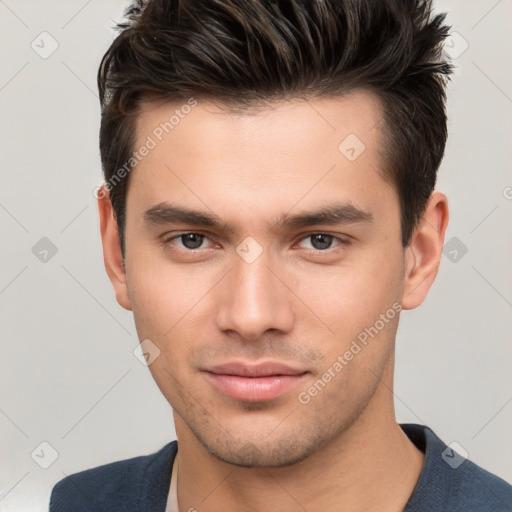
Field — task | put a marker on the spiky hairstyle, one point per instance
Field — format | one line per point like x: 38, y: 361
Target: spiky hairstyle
x: 243, y: 53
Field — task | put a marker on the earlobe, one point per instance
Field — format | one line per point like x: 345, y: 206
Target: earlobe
x: 112, y: 255
x: 423, y: 255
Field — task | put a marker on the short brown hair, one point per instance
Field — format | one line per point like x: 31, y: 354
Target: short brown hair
x: 241, y: 53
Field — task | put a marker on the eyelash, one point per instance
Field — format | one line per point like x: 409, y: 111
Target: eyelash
x: 167, y: 241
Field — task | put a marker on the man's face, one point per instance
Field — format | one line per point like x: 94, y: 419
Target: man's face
x: 251, y: 312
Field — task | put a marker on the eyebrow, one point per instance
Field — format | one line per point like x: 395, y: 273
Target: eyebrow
x: 330, y: 215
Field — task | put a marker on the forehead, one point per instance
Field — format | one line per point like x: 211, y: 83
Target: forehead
x: 210, y: 125
x: 264, y: 158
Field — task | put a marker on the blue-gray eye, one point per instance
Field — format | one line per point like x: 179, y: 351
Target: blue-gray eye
x: 191, y: 240
x: 321, y: 241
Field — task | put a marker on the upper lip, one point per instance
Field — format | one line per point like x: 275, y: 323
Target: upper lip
x: 264, y: 369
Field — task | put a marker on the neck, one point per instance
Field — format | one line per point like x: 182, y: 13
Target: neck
x: 371, y: 466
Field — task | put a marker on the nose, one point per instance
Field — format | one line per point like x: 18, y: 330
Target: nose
x: 254, y: 300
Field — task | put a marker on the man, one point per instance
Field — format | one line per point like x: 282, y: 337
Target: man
x: 268, y: 212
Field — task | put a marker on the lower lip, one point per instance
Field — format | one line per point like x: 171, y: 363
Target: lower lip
x: 254, y: 389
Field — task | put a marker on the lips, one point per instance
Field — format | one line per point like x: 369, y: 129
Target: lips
x: 254, y: 383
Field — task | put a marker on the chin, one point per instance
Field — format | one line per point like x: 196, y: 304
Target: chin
x: 247, y: 449
x: 249, y: 454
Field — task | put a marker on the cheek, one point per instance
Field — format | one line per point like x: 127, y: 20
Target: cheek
x: 162, y: 310
x: 172, y: 308
x: 345, y: 297
x: 162, y: 295
x: 350, y: 296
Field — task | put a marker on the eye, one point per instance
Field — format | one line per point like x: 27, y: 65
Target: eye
x: 189, y: 241
x: 322, y: 241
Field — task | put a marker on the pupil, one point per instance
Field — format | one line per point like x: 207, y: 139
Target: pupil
x: 192, y: 240
x: 321, y: 241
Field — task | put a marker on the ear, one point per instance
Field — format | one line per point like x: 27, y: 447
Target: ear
x: 112, y: 249
x: 423, y: 254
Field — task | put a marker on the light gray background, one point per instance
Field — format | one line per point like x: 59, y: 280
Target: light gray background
x: 67, y: 369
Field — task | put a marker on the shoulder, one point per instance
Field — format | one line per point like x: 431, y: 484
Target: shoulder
x: 476, y: 487
x: 449, y: 481
x: 124, y: 485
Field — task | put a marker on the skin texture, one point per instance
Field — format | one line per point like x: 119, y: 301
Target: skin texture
x: 294, y: 303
